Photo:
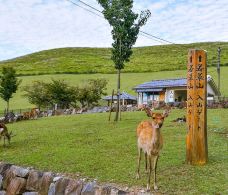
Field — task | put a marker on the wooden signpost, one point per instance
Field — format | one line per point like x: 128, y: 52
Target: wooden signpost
x: 196, y: 142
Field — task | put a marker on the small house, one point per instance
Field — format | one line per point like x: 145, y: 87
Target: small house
x: 170, y: 90
x: 125, y: 99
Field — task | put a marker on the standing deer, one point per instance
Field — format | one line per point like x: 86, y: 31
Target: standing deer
x: 150, y: 142
x: 4, y: 133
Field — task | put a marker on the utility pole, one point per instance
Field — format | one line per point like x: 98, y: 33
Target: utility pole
x: 218, y: 67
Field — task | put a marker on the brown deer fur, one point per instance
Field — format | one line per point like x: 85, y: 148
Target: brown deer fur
x: 150, y: 142
x: 4, y: 133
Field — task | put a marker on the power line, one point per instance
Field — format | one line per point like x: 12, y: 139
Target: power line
x: 156, y: 37
x: 142, y: 32
x: 150, y: 38
x: 84, y: 8
x: 89, y: 6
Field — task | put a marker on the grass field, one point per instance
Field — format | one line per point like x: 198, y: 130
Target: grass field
x: 97, y: 60
x: 128, y: 81
x: 92, y: 147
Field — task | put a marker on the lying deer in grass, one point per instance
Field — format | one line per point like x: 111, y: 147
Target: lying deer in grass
x: 150, y: 142
x: 4, y: 133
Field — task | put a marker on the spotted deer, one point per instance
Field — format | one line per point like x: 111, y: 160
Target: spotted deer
x: 150, y: 141
x: 4, y: 133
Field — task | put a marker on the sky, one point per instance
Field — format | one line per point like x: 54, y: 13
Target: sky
x: 28, y: 26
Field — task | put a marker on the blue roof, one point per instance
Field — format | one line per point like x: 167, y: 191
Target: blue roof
x: 123, y: 95
x: 155, y: 84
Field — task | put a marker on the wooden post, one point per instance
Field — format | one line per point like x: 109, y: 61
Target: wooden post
x: 196, y: 142
x: 110, y: 112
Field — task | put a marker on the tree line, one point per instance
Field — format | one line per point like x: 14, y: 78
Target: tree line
x: 86, y: 95
x: 48, y: 94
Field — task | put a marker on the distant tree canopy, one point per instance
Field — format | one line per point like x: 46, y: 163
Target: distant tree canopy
x: 90, y: 93
x: 38, y: 94
x: 8, y: 84
x: 59, y: 92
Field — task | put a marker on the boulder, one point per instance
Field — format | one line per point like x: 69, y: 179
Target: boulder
x: 45, y: 182
x: 8, y: 176
x: 74, y: 187
x: 33, y: 180
x: 61, y: 185
x: 1, y: 179
x: 4, y: 167
x: 19, y: 171
x: 30, y: 193
x: 103, y: 190
x: 16, y: 186
x: 89, y: 189
x: 51, y: 190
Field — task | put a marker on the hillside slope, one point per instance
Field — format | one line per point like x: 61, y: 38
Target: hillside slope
x: 97, y: 60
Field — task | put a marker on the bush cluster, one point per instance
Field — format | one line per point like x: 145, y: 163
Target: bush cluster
x: 59, y: 92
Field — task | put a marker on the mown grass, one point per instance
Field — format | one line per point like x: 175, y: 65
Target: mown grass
x: 128, y: 81
x: 98, y: 60
x: 92, y: 147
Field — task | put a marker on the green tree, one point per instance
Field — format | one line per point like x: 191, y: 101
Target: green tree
x: 38, y: 94
x: 90, y: 93
x: 125, y: 29
x: 97, y: 89
x: 48, y: 94
x: 61, y: 93
x: 8, y: 84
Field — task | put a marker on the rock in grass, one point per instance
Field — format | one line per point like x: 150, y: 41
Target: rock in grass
x: 89, y: 189
x: 8, y: 176
x: 61, y: 185
x: 33, y: 180
x: 4, y: 167
x: 103, y: 190
x: 74, y: 187
x: 1, y: 179
x: 19, y: 171
x: 2, y: 192
x: 45, y: 182
x: 16, y: 186
x: 30, y: 193
x: 51, y: 190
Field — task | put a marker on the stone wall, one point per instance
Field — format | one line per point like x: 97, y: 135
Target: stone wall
x: 26, y: 181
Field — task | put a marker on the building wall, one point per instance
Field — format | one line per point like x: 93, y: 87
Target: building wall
x: 170, y: 95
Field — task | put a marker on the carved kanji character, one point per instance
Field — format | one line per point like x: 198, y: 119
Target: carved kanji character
x: 199, y: 67
x: 190, y: 68
x: 199, y: 86
x: 200, y: 76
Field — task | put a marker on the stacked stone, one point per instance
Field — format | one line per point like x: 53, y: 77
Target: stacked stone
x: 17, y: 180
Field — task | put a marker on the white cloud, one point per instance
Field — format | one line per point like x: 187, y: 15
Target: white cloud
x: 33, y: 25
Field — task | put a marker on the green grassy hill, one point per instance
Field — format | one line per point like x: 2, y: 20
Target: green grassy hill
x: 97, y: 60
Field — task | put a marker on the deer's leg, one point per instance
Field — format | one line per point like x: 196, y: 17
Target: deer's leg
x: 139, y: 159
x: 9, y: 140
x: 4, y: 137
x: 146, y: 163
x: 149, y: 174
x: 154, y: 168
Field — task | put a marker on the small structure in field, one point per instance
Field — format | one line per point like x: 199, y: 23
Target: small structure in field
x: 170, y: 90
x: 125, y: 99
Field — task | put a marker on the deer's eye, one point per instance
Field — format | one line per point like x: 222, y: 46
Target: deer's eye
x: 153, y: 117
